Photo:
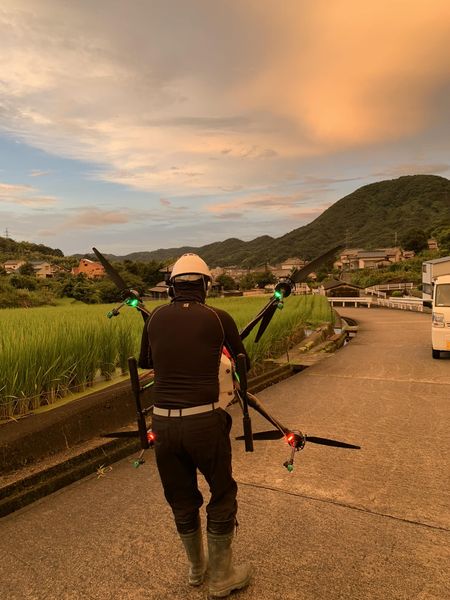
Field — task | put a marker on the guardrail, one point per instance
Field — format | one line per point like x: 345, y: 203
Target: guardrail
x: 356, y: 301
x: 415, y: 304
x: 380, y: 290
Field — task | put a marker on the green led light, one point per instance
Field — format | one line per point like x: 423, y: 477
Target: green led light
x: 290, y: 468
x: 132, y: 302
x: 278, y: 295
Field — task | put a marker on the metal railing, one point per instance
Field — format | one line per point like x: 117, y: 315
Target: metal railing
x: 355, y: 301
x: 415, y: 304
x: 380, y: 290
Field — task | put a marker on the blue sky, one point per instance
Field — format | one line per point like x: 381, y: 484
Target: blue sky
x: 162, y: 123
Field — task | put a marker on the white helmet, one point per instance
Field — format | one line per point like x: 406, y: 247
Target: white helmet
x: 190, y: 264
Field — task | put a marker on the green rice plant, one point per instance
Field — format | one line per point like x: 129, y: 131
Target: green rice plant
x: 48, y: 352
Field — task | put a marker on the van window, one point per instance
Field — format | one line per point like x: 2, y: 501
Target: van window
x: 427, y: 288
x: 442, y: 295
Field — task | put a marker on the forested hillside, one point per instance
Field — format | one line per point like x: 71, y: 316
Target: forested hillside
x: 10, y: 249
x: 375, y: 215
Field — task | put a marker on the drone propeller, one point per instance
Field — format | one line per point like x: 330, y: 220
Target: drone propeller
x: 129, y: 297
x: 300, y: 275
x: 267, y: 317
x: 113, y: 274
x: 283, y: 290
x: 275, y: 434
x: 248, y: 328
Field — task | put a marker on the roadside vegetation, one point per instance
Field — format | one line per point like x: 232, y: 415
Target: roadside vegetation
x: 49, y: 352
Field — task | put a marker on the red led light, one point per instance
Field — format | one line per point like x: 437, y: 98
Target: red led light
x: 151, y: 436
x: 290, y: 438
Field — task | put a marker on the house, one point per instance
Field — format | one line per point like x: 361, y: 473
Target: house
x: 373, y: 259
x: 90, y: 268
x: 432, y: 244
x: 358, y: 258
x: 159, y: 291
x: 339, y: 289
x: 12, y: 266
x: 348, y: 259
x: 292, y: 263
x: 43, y: 269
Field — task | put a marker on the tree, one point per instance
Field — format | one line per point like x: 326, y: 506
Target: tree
x: 23, y: 282
x: 26, y: 269
x: 84, y: 291
x: 443, y: 239
x: 108, y: 291
x: 264, y: 278
x: 247, y: 282
x: 227, y: 282
x: 414, y: 239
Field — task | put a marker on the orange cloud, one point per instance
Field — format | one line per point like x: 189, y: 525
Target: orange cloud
x: 350, y: 73
x: 268, y: 202
x: 94, y: 217
x: 167, y: 108
x: 24, y: 195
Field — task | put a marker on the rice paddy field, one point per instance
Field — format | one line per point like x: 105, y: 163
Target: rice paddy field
x: 48, y: 353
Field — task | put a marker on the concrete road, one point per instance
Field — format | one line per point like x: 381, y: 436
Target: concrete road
x: 354, y: 524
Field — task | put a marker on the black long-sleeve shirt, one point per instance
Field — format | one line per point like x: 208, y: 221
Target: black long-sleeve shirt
x: 183, y: 342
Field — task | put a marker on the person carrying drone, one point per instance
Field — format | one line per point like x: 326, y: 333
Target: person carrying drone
x: 183, y: 342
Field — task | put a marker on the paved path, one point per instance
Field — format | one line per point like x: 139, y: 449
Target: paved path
x: 354, y: 524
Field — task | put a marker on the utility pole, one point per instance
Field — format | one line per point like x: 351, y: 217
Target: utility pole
x: 7, y: 234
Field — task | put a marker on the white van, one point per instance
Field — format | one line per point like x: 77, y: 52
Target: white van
x: 440, y: 323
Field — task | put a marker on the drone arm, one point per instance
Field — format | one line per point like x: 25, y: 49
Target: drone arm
x: 241, y: 367
x: 256, y: 404
x: 136, y: 388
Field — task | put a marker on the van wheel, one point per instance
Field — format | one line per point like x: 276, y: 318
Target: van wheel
x: 436, y: 353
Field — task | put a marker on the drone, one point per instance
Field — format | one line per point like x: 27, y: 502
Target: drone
x: 294, y: 438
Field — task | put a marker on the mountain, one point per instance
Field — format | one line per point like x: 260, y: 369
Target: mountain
x: 374, y: 215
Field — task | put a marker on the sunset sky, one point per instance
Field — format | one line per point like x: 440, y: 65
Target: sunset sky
x: 145, y: 124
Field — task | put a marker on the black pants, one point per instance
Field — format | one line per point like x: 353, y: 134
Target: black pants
x: 185, y: 444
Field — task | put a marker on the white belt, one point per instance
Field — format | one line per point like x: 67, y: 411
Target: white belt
x: 183, y: 412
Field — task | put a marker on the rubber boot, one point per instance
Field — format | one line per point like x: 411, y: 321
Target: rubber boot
x: 193, y: 544
x: 224, y: 577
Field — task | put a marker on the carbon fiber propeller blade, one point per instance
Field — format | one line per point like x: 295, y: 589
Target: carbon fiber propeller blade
x: 248, y: 328
x: 275, y: 434
x: 113, y: 274
x: 301, y: 274
x: 265, y: 321
x: 334, y: 443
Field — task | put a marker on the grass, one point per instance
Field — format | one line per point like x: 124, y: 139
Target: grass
x: 49, y: 352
